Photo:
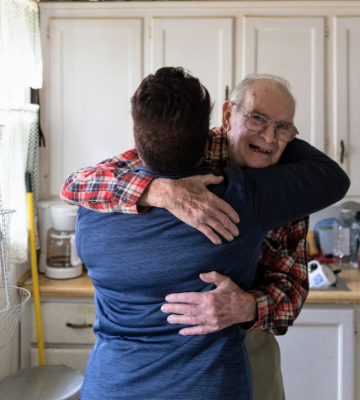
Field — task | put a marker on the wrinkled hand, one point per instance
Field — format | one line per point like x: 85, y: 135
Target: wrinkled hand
x: 190, y: 201
x: 213, y: 310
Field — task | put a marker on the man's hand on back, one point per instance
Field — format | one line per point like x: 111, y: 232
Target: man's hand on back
x: 190, y: 201
x: 213, y: 310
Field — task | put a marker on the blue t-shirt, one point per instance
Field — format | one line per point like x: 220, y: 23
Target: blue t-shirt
x: 136, y: 260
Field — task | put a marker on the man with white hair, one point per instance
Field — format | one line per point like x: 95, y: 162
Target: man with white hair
x: 257, y: 125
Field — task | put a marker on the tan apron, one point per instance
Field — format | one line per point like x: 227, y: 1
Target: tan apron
x: 264, y: 355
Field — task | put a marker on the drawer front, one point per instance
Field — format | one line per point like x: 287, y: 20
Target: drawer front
x: 75, y: 358
x: 66, y: 323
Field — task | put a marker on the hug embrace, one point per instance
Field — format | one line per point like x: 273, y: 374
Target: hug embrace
x: 190, y: 291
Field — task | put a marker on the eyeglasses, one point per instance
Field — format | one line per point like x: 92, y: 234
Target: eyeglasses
x: 255, y: 122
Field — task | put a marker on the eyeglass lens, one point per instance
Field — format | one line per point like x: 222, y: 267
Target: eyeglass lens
x: 256, y: 122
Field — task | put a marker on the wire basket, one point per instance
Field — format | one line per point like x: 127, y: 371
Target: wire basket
x: 12, y: 304
x: 12, y: 298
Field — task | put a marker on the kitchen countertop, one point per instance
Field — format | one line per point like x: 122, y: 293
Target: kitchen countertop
x: 77, y: 287
x: 83, y: 287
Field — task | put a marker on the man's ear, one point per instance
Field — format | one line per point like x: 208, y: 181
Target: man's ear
x: 226, y: 115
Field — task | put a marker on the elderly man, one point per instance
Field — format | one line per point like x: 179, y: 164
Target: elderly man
x: 257, y: 125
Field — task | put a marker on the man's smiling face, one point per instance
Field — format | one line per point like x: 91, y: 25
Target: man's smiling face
x: 257, y: 149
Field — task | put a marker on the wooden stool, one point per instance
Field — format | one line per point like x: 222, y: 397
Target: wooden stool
x: 46, y: 382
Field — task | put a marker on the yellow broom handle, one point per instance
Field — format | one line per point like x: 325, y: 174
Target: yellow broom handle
x: 35, y: 278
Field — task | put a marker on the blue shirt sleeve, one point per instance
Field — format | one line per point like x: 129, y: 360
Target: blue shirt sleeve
x: 305, y: 181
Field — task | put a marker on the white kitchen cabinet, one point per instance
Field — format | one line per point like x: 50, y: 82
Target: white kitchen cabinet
x: 96, y: 53
x: 66, y: 322
x: 318, y: 354
x: 293, y: 48
x: 346, y: 137
x: 204, y: 46
x: 94, y: 67
x: 67, y: 333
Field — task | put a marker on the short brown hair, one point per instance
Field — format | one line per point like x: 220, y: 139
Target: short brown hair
x: 171, y: 111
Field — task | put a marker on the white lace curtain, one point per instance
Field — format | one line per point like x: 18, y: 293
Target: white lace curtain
x: 20, y: 47
x: 20, y: 69
x: 19, y: 153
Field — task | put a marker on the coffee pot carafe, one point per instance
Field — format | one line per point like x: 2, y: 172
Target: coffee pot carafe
x: 62, y: 260
x: 61, y: 250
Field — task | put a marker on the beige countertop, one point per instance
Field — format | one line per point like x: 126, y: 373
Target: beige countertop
x: 352, y: 280
x: 78, y: 287
x: 83, y: 287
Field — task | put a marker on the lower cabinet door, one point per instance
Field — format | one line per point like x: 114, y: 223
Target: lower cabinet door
x: 317, y: 355
x: 75, y: 358
x: 66, y: 323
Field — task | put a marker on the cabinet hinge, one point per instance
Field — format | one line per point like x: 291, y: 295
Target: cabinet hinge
x: 326, y: 145
x: 48, y: 32
x: 149, y: 32
x: 326, y: 33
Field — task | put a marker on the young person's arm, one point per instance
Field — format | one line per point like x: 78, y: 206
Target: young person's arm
x: 305, y: 181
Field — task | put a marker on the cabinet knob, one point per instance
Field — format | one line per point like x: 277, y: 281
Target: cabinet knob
x: 342, y: 153
x: 78, y: 326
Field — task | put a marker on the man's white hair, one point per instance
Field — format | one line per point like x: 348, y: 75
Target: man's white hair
x: 278, y: 83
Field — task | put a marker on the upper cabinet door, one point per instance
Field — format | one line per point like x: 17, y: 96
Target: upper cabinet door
x: 347, y: 98
x: 292, y: 48
x: 95, y: 67
x: 204, y: 46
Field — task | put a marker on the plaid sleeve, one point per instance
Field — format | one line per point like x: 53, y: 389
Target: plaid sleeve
x: 110, y: 186
x: 113, y: 186
x: 281, y: 283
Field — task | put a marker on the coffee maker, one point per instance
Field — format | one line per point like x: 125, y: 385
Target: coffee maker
x: 58, y: 256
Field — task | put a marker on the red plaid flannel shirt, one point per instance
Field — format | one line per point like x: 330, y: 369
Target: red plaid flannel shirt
x: 281, y: 283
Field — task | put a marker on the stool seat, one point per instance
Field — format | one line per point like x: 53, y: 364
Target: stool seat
x: 45, y: 382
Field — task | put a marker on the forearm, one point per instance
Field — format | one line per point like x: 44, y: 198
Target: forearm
x: 325, y: 173
x: 282, y: 193
x: 157, y: 194
x: 110, y: 186
x: 123, y: 189
x: 276, y: 307
x: 281, y: 285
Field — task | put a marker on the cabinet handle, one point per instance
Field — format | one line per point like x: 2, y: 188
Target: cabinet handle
x: 79, y: 326
x: 342, y: 145
x: 226, y: 93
